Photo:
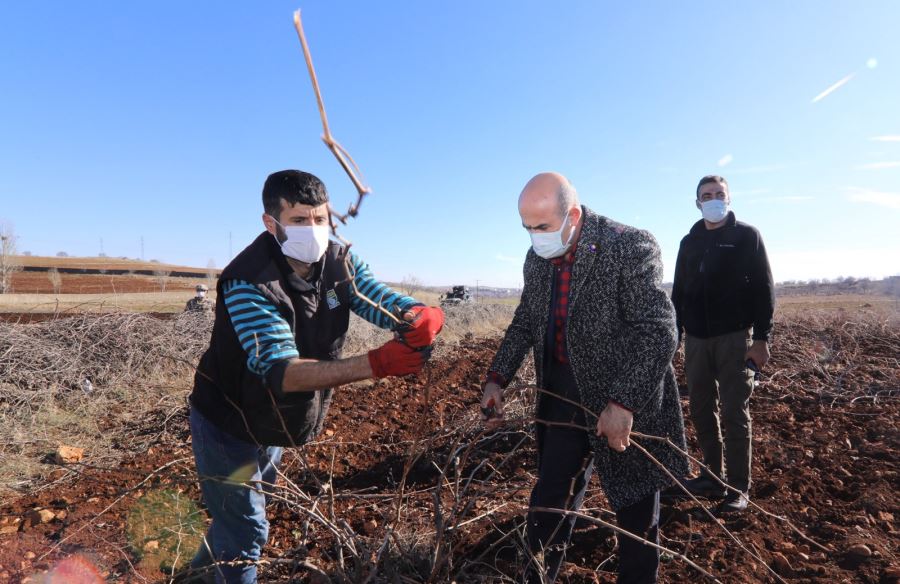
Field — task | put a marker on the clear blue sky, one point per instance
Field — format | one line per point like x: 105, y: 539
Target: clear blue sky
x: 162, y: 120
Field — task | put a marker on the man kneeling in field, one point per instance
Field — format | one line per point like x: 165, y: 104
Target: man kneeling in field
x: 275, y: 354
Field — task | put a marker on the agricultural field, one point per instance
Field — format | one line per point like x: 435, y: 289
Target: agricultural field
x: 102, y: 275
x: 97, y: 284
x: 161, y: 127
x: 100, y: 263
x: 69, y: 285
x: 404, y: 485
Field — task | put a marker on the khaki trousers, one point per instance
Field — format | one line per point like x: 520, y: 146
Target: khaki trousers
x: 720, y: 386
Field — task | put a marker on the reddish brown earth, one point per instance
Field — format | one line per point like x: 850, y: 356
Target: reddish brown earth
x: 99, y: 263
x: 832, y: 469
x: 32, y: 282
x: 39, y: 283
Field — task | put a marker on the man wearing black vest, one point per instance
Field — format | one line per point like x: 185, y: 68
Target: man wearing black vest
x: 275, y: 354
x: 724, y: 300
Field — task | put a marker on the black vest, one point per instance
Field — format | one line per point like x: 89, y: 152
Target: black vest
x: 241, y: 402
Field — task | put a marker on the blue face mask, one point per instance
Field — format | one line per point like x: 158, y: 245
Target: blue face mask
x: 550, y: 245
x: 714, y: 211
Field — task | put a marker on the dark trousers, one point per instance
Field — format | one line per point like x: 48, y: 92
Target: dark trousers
x: 720, y: 386
x: 639, y: 562
x: 565, y: 465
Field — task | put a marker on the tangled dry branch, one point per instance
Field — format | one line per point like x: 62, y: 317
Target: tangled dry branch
x: 108, y: 349
x: 839, y: 361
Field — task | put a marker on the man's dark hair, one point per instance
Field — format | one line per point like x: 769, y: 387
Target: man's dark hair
x: 294, y: 186
x: 711, y: 178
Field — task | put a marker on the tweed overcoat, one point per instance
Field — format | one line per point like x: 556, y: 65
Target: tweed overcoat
x: 620, y: 338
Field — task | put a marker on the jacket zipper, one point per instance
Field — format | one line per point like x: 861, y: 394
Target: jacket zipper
x: 706, y: 283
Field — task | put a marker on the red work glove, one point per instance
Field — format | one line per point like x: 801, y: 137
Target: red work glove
x: 395, y: 358
x: 423, y: 328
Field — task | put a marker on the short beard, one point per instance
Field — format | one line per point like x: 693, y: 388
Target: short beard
x: 280, y: 234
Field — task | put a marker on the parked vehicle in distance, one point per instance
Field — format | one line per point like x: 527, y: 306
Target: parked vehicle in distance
x: 457, y: 295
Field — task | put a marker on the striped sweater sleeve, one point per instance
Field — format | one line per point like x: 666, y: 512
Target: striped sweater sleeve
x: 263, y: 333
x: 377, y: 292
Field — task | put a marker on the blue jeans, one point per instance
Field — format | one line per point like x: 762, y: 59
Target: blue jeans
x: 234, y: 479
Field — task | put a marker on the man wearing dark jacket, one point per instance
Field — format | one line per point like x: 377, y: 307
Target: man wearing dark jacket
x: 724, y: 300
x: 602, y: 332
x: 275, y: 354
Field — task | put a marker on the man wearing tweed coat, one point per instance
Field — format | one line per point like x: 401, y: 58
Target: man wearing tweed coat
x: 602, y: 332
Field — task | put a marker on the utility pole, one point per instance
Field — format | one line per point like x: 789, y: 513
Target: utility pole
x: 101, y: 246
x: 477, y: 289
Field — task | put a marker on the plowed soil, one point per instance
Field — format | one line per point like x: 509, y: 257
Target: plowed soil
x: 829, y: 466
x: 39, y: 283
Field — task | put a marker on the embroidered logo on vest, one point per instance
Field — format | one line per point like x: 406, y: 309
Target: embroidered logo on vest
x: 332, y: 298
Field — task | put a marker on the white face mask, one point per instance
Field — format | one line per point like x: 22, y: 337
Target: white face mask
x: 550, y: 245
x: 304, y: 243
x: 714, y: 211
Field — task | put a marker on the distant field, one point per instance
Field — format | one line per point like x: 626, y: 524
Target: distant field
x: 169, y: 301
x: 136, y: 294
x: 153, y: 278
x: 39, y: 283
x: 100, y: 263
x: 851, y: 303
x: 33, y: 291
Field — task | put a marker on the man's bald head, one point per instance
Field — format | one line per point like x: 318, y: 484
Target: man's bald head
x: 546, y: 190
x: 549, y: 204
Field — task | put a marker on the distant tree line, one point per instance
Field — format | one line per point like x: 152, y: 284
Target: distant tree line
x: 889, y: 286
